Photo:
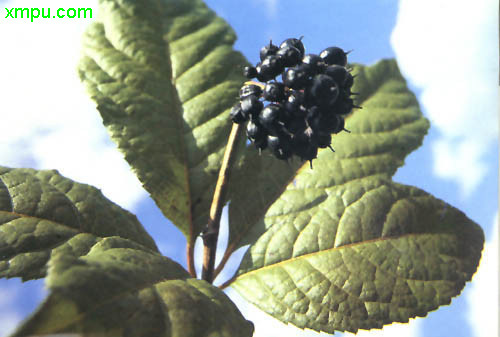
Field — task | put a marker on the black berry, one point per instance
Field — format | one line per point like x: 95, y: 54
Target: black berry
x: 297, y: 77
x: 296, y: 43
x: 290, y: 56
x: 269, y: 118
x: 337, y: 73
x: 237, y: 114
x: 316, y: 63
x: 269, y: 68
x: 249, y: 72
x: 251, y: 106
x: 250, y: 89
x: 305, y: 109
x: 324, y: 90
x: 268, y: 50
x: 274, y: 92
x: 334, y: 55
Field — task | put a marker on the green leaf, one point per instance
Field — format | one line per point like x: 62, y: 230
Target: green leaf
x: 358, y: 256
x: 164, y: 77
x: 344, y: 247
x: 41, y: 211
x: 383, y: 133
x: 121, y: 289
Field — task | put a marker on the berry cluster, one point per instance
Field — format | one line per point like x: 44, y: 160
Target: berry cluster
x: 304, y: 109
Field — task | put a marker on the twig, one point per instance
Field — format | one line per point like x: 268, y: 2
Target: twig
x: 190, y: 257
x: 228, y: 282
x: 211, y: 233
x: 227, y: 254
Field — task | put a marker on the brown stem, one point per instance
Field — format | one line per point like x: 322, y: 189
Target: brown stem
x: 227, y: 283
x: 211, y: 233
x: 223, y: 261
x: 190, y: 257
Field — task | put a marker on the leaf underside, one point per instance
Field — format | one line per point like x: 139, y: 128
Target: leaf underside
x: 346, y: 248
x: 42, y: 212
x: 164, y: 77
x: 121, y: 289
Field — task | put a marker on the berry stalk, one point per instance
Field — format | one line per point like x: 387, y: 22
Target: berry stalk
x: 211, y: 233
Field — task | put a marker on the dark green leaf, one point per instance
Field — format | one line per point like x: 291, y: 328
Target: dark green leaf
x: 121, y: 289
x: 41, y: 211
x: 164, y: 76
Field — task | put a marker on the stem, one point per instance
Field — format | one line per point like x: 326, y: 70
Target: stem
x: 227, y: 283
x: 190, y: 257
x: 211, y: 234
x: 223, y: 261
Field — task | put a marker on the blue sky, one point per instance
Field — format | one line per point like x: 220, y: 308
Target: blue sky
x: 447, y: 50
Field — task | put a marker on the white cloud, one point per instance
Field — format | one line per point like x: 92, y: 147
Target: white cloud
x: 8, y: 322
x: 449, y: 49
x: 9, y: 318
x: 271, y: 8
x: 48, y: 121
x: 483, y: 296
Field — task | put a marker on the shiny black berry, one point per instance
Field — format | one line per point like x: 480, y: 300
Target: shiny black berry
x: 269, y: 68
x: 321, y: 120
x: 290, y: 56
x: 257, y: 135
x: 255, y: 131
x: 281, y: 146
x: 251, y: 106
x: 250, y: 72
x: 269, y: 118
x: 237, y: 114
x: 338, y: 74
x: 268, y: 50
x: 324, y: 90
x: 294, y: 103
x: 250, y: 89
x: 334, y: 55
x: 317, y: 65
x: 297, y: 77
x: 296, y: 43
x: 274, y: 92
x: 305, y: 145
